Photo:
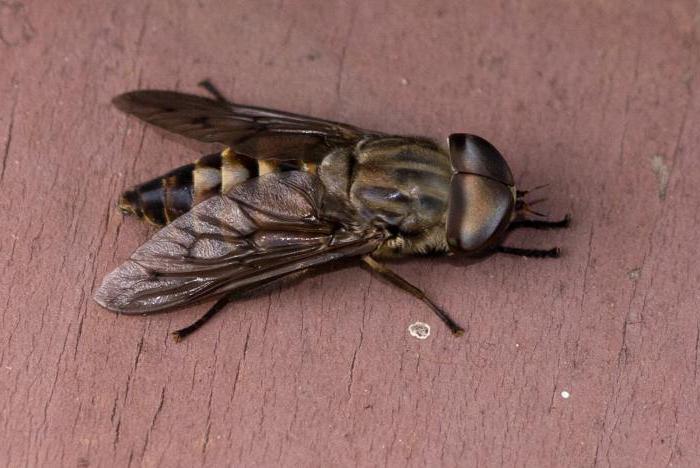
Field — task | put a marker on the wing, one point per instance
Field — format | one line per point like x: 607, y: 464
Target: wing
x: 254, y: 131
x: 259, y: 230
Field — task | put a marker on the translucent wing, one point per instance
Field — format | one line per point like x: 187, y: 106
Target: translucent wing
x: 253, y: 131
x: 259, y: 230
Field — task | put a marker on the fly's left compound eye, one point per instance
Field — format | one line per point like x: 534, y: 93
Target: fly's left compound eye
x: 481, y: 194
x: 472, y: 154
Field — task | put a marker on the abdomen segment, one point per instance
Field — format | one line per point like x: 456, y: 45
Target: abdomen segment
x: 165, y: 198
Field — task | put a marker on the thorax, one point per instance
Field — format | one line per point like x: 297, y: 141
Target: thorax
x: 399, y: 184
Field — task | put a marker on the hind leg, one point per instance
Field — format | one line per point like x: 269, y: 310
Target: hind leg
x: 213, y: 90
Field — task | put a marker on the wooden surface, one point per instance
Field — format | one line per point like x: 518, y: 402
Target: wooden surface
x: 599, y: 99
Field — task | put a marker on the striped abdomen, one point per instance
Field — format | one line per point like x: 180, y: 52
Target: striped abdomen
x: 165, y: 198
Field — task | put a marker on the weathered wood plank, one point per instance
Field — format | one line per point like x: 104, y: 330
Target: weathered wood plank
x: 598, y: 99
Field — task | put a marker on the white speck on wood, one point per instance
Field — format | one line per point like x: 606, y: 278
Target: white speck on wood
x: 419, y: 330
x: 660, y: 168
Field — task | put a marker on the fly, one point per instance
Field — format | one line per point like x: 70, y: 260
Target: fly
x: 288, y: 193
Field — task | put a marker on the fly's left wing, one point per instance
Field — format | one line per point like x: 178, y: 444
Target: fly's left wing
x: 259, y: 230
x: 253, y: 131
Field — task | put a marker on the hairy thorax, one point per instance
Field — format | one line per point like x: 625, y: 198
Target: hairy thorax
x: 398, y: 184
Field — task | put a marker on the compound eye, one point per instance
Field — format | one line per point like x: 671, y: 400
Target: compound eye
x: 478, y: 213
x: 472, y: 154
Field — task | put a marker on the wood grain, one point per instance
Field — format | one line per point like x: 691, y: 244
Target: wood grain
x: 599, y: 99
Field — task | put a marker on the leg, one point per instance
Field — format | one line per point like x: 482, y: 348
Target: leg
x: 538, y: 224
x: 532, y: 253
x: 182, y: 333
x: 179, y: 335
x: 209, y: 86
x: 409, y: 288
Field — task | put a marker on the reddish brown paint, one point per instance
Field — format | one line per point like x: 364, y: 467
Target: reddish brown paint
x: 599, y: 99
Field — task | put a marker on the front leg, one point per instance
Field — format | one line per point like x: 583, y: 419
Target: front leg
x: 530, y: 253
x: 522, y: 208
x: 539, y: 224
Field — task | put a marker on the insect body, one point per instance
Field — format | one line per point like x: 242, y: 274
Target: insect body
x: 289, y: 192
